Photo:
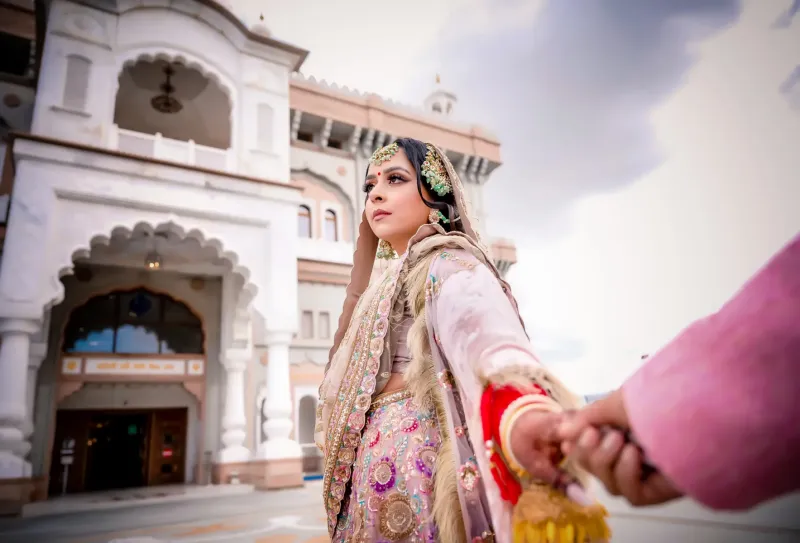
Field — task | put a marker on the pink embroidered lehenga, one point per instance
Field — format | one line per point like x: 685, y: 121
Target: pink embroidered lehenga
x: 411, y: 465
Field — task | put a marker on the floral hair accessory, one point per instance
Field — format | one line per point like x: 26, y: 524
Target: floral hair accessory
x: 384, y: 153
x: 435, y: 173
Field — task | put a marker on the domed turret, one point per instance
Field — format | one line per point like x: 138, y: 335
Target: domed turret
x: 440, y: 101
x: 260, y: 27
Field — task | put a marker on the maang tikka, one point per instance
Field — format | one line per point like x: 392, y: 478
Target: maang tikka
x: 384, y: 153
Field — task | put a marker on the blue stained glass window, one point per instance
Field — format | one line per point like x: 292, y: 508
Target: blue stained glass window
x: 134, y: 322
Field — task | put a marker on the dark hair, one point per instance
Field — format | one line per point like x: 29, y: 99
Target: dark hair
x: 416, y: 151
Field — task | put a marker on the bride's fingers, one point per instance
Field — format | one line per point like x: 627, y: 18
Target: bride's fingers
x: 542, y: 469
x: 547, y: 429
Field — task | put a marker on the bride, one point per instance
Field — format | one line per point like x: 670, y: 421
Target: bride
x: 435, y: 416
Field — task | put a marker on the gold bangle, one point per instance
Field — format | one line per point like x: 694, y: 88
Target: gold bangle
x: 507, y: 425
x: 545, y: 402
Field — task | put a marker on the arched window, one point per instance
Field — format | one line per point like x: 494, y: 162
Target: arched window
x: 330, y: 226
x: 134, y: 322
x: 76, y: 83
x: 437, y: 108
x: 304, y: 222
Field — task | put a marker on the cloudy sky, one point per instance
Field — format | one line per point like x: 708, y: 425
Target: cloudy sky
x: 650, y: 147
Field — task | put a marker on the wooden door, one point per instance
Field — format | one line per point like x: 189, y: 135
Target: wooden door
x: 167, y: 463
x: 71, y: 435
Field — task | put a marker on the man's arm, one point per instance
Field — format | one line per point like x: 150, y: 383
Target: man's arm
x: 718, y: 409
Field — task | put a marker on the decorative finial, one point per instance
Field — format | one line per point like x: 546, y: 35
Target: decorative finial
x: 438, y: 79
x: 261, y: 17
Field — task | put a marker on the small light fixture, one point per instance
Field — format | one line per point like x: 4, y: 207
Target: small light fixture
x: 166, y: 102
x: 152, y: 261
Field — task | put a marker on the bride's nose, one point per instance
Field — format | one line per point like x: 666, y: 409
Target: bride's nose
x: 377, y: 194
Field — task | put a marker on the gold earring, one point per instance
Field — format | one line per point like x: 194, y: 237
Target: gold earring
x: 385, y: 250
x: 435, y: 216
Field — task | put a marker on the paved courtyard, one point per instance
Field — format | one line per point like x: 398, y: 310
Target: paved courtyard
x: 287, y: 516
x: 296, y: 516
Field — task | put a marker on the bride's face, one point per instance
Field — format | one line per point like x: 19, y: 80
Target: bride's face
x: 394, y: 208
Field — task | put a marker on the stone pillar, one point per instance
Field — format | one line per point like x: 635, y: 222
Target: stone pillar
x: 278, y: 407
x: 36, y: 355
x: 14, y: 359
x: 282, y: 455
x: 233, y: 416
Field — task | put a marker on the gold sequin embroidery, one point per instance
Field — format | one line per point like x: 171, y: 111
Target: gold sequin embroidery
x: 396, y: 517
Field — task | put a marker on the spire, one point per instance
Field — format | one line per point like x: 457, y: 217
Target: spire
x: 260, y: 27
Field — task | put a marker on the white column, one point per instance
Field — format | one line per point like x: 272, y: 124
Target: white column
x: 233, y: 417
x: 36, y: 355
x: 14, y: 352
x: 278, y: 407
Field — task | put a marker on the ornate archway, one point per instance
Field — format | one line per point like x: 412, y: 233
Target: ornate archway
x: 83, y: 251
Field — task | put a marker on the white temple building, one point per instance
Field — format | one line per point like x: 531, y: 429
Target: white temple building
x: 178, y: 208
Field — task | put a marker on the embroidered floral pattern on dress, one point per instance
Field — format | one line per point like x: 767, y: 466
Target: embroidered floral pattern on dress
x: 409, y: 425
x: 371, y: 437
x: 391, y: 494
x: 382, y: 475
x: 468, y: 475
x: 426, y: 460
x: 396, y: 517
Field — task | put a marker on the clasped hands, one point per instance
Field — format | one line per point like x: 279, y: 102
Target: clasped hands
x: 540, y: 440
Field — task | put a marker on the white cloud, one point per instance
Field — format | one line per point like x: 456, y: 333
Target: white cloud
x: 643, y: 263
x: 379, y: 46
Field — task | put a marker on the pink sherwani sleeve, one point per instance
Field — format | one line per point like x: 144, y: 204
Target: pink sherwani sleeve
x: 718, y: 409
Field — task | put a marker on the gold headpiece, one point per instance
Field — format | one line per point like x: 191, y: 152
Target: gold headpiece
x: 384, y: 153
x: 435, y: 172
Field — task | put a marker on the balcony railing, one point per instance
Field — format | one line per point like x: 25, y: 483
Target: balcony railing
x: 181, y: 152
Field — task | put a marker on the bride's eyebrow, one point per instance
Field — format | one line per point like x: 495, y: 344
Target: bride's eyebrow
x: 396, y: 168
x: 388, y: 170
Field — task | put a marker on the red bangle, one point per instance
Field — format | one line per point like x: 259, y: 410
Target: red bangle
x: 494, y: 401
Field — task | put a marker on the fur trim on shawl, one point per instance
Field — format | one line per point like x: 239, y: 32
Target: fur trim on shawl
x: 421, y: 380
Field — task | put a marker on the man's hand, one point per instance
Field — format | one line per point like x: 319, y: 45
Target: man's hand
x: 606, y: 455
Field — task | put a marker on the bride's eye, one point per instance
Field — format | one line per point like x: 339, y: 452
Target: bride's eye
x: 396, y: 178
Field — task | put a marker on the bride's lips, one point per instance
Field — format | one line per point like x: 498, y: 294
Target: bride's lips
x: 378, y: 214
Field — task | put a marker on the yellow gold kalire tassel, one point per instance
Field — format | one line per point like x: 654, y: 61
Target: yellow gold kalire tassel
x: 545, y: 515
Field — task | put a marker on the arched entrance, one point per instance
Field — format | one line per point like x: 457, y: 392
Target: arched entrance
x: 127, y: 357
